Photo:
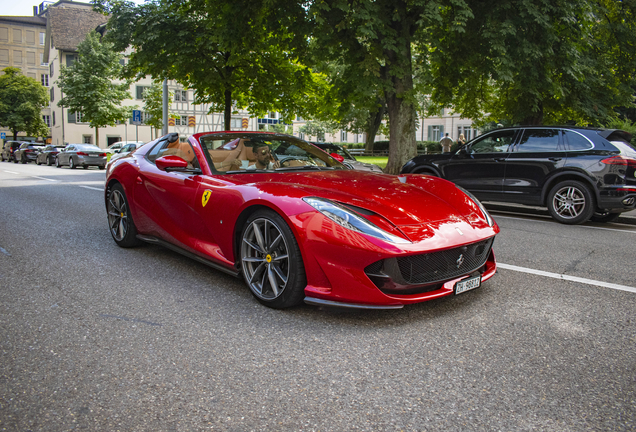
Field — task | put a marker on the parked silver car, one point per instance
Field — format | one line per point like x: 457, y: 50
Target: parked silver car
x: 83, y: 155
x: 126, y: 149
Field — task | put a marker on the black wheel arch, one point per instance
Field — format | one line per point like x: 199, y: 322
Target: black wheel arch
x: 565, y: 176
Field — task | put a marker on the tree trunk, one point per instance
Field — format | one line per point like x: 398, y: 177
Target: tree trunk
x: 375, y: 120
x: 402, y: 113
x: 228, y: 110
x: 97, y: 137
x: 15, y: 135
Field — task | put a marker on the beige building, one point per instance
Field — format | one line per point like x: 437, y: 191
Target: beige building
x: 22, y: 45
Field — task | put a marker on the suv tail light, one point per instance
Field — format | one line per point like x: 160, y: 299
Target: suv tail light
x: 620, y: 160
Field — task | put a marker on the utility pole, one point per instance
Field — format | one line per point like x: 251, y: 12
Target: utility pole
x: 165, y: 107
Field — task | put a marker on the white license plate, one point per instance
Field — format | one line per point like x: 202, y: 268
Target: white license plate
x: 467, y: 284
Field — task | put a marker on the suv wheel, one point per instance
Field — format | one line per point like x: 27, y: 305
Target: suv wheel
x: 571, y: 202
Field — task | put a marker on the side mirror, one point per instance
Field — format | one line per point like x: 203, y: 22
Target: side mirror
x: 337, y: 157
x: 171, y: 163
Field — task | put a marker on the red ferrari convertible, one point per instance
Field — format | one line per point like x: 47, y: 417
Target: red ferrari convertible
x: 297, y: 224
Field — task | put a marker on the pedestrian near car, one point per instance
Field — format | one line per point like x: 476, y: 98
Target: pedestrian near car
x: 461, y: 140
x: 446, y: 143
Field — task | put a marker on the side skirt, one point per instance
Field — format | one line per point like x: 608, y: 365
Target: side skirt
x: 209, y: 263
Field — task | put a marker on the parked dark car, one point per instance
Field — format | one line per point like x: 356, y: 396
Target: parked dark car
x: 8, y: 149
x: 48, y: 153
x: 27, y: 152
x: 577, y: 173
x: 343, y: 156
x: 84, y: 155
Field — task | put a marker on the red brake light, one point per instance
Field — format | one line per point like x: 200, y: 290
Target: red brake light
x: 620, y: 160
x: 102, y: 154
x: 82, y: 154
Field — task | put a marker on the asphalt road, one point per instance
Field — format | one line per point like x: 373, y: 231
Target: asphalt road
x: 99, y: 338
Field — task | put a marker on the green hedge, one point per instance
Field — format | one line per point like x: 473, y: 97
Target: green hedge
x: 427, y: 146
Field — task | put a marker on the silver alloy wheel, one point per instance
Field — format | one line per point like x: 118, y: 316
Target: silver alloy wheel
x: 569, y: 202
x: 265, y: 259
x: 117, y: 215
x: 71, y: 165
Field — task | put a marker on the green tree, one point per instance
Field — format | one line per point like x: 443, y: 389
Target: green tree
x: 318, y: 128
x: 232, y: 53
x: 153, y: 105
x: 21, y: 102
x: 89, y: 85
x: 535, y: 62
x: 376, y: 38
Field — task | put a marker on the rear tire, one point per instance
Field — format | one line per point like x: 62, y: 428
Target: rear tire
x: 71, y: 164
x: 48, y: 161
x: 120, y: 221
x: 271, y: 261
x: 57, y: 163
x: 571, y: 202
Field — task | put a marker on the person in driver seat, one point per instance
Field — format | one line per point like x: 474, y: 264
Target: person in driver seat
x: 264, y: 158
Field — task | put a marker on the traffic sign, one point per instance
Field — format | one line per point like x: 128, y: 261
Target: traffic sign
x: 136, y: 117
x: 3, y: 135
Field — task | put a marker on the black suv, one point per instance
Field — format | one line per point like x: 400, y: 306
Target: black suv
x: 27, y: 152
x: 577, y: 173
x: 8, y: 149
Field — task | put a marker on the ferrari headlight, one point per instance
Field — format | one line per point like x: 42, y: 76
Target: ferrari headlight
x: 350, y: 220
x: 489, y: 219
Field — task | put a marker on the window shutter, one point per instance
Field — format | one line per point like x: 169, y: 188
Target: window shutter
x: 71, y: 117
x: 441, y: 131
x: 429, y: 137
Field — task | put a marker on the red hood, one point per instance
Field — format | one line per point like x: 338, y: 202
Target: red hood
x: 403, y: 200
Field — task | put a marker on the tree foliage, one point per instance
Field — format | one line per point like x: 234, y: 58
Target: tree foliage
x: 21, y: 102
x: 153, y: 104
x: 376, y: 40
x: 89, y: 86
x: 241, y: 53
x: 535, y: 62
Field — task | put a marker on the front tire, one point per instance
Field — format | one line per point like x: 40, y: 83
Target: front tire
x: 71, y: 164
x: 120, y: 222
x: 271, y: 261
x: 571, y: 202
x: 57, y: 163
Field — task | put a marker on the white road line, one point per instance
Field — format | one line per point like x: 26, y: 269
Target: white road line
x: 43, y: 178
x: 92, y: 188
x: 12, y: 172
x: 566, y: 277
x: 578, y: 226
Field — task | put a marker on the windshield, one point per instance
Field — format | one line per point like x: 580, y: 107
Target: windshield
x: 244, y: 153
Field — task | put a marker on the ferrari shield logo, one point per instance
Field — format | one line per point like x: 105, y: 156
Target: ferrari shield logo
x: 206, y: 197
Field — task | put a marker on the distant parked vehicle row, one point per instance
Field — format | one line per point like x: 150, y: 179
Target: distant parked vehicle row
x: 71, y: 155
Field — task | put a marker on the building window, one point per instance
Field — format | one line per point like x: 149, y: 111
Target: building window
x: 42, y: 38
x: 47, y: 120
x: 4, y: 56
x: 343, y: 136
x: 51, y: 69
x: 42, y: 62
x: 140, y: 91
x: 17, y: 36
x: 17, y: 57
x: 30, y: 37
x: 52, y: 91
x: 236, y: 123
x: 180, y: 96
x: 435, y: 132
x: 301, y: 135
x: 88, y: 139
x: 53, y: 118
x: 181, y: 121
x: 70, y: 59
x: 4, y: 34
x: 31, y: 58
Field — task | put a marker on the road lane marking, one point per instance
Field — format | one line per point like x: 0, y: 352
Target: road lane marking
x: 92, y: 188
x: 41, y: 178
x: 580, y: 226
x: 566, y: 277
x: 12, y: 172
